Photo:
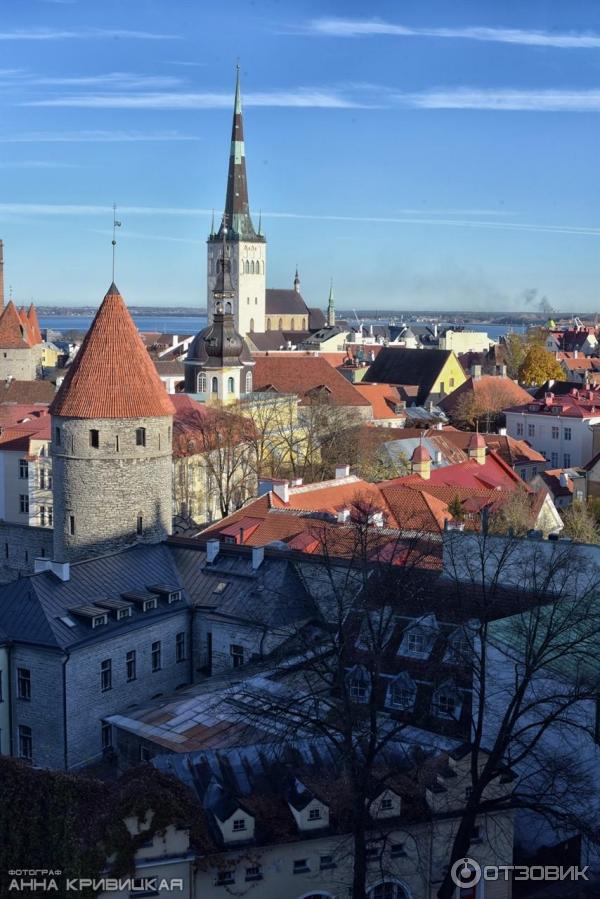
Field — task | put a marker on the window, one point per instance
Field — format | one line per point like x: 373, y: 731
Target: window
x: 42, y: 478
x: 248, y: 382
x: 24, y: 503
x: 106, y: 736
x: 180, y: 647
x: 43, y: 516
x: 567, y: 433
x: 106, y: 675
x: 130, y: 665
x: 476, y: 835
x: 25, y: 742
x: 397, y: 850
x: 445, y: 704
x: 145, y: 754
x: 386, y: 804
x: 254, y: 873
x: 156, y: 654
x: 99, y: 620
x: 149, y: 604
x: 554, y: 460
x: 237, y: 655
x: 531, y: 430
x: 140, y: 436
x: 326, y: 862
x: 224, y: 877
x: 94, y: 438
x: 358, y: 689
x: 555, y: 432
x: 401, y: 695
x: 230, y: 385
x: 23, y: 469
x: 416, y: 643
x: 24, y: 683
x: 268, y: 324
x: 567, y: 460
x: 519, y: 429
x: 214, y: 385
x: 50, y: 516
x: 451, y: 382
x: 314, y: 814
x: 251, y: 325
x: 292, y: 325
x: 57, y: 436
x: 300, y: 865
x: 239, y: 824
x: 280, y: 326
x: 117, y: 443
x: 373, y: 853
x: 139, y: 525
x: 201, y: 382
x: 123, y: 613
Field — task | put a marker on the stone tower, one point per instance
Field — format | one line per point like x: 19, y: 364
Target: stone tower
x: 111, y: 442
x: 247, y: 248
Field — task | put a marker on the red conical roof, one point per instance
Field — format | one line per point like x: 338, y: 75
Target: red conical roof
x: 112, y: 375
x: 14, y: 334
x: 34, y: 325
x: 420, y: 454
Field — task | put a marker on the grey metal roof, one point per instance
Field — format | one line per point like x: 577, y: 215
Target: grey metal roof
x: 284, y: 302
x: 31, y: 608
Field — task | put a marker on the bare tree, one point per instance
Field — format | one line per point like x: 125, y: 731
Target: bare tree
x: 226, y: 441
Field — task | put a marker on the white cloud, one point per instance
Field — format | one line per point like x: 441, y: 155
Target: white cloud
x: 301, y: 97
x: 101, y: 137
x: 37, y: 164
x: 120, y: 80
x: 54, y: 34
x: 557, y: 100
x: 364, y: 28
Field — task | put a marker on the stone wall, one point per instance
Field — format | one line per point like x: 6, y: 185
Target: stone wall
x: 20, y: 364
x: 19, y: 546
x: 43, y: 713
x: 104, y: 489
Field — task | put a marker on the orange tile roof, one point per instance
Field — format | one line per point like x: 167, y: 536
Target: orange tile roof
x: 112, y: 375
x: 493, y: 391
x: 297, y: 373
x: 383, y: 399
x: 13, y: 333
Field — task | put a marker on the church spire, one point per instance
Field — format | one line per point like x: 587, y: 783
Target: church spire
x: 331, y: 307
x: 297, y: 281
x: 237, y: 208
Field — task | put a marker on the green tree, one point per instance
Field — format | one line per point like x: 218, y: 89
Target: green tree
x: 539, y: 366
x: 580, y: 523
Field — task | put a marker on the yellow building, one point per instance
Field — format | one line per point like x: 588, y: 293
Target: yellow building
x: 421, y: 376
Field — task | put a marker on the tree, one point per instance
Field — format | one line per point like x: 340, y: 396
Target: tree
x: 539, y: 366
x: 513, y: 515
x: 483, y: 409
x: 536, y: 675
x: 580, y: 523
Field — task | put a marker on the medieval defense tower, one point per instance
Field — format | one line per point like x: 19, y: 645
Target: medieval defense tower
x: 247, y: 248
x: 111, y: 442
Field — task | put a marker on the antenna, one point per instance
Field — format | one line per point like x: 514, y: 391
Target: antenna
x: 116, y: 225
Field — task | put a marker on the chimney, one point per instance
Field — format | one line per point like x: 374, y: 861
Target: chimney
x: 502, y: 432
x: 1, y: 275
x: 62, y: 570
x: 282, y: 490
x: 439, y: 426
x: 438, y: 457
x: 421, y: 462
x: 475, y: 372
x: 343, y: 515
x: 477, y: 448
x: 212, y: 550
x: 258, y: 554
x: 575, y: 354
x: 341, y: 471
x: 41, y: 565
x: 502, y: 371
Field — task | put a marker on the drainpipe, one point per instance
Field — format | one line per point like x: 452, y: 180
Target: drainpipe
x: 11, y: 746
x: 65, y: 750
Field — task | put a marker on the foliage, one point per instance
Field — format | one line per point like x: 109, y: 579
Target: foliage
x: 516, y: 347
x: 513, y: 516
x: 485, y: 412
x: 455, y: 508
x: 73, y: 823
x: 539, y: 366
x: 580, y: 523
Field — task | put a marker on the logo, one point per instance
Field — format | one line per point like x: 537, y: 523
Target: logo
x: 466, y: 872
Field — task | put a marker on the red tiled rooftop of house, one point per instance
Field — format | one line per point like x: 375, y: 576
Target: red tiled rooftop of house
x: 13, y: 333
x: 383, y: 398
x: 112, y: 375
x: 300, y: 374
x: 578, y: 403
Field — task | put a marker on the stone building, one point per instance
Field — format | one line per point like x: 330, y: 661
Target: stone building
x: 111, y: 442
x: 20, y: 343
x: 255, y: 308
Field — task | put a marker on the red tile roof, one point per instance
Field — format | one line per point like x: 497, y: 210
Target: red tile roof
x: 583, y: 403
x: 382, y: 397
x: 112, y: 375
x: 26, y: 391
x: 31, y: 324
x: 300, y: 374
x: 511, y: 450
x: 14, y: 335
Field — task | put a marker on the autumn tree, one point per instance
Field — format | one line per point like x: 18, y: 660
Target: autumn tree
x: 580, y: 523
x: 483, y: 409
x: 539, y: 366
x: 516, y: 347
x: 225, y: 439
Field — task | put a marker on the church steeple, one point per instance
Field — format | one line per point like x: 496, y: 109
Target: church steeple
x: 331, y: 307
x: 237, y: 207
x: 297, y: 281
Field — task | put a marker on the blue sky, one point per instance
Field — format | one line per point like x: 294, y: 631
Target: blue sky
x: 423, y: 154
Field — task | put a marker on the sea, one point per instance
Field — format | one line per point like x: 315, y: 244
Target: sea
x: 191, y: 324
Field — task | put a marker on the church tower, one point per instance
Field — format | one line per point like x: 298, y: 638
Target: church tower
x: 111, y: 442
x: 247, y: 248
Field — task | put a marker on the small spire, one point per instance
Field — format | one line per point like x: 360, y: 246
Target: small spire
x: 116, y: 225
x: 331, y: 306
x: 297, y: 281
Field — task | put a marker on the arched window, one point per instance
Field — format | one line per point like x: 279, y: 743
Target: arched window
x: 228, y: 308
x: 268, y: 324
x: 252, y: 267
x: 214, y: 385
x: 230, y: 385
x: 139, y: 527
x: 281, y: 324
x: 292, y: 325
x: 389, y: 889
x: 248, y: 382
x: 140, y: 436
x: 251, y: 325
x: 247, y: 267
x: 304, y: 324
x: 201, y: 382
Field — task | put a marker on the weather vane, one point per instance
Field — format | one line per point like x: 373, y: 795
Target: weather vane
x: 116, y: 225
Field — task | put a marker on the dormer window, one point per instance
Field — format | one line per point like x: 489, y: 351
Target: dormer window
x: 387, y: 804
x: 174, y: 597
x: 148, y: 605
x: 401, y: 692
x: 416, y: 643
x: 99, y: 620
x: 314, y: 814
x: 358, y: 683
x: 446, y: 701
x: 418, y: 638
x: 123, y: 613
x: 239, y: 824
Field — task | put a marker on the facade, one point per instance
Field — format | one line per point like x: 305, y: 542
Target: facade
x: 465, y: 341
x: 111, y: 447
x: 558, y: 425
x: 421, y: 375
